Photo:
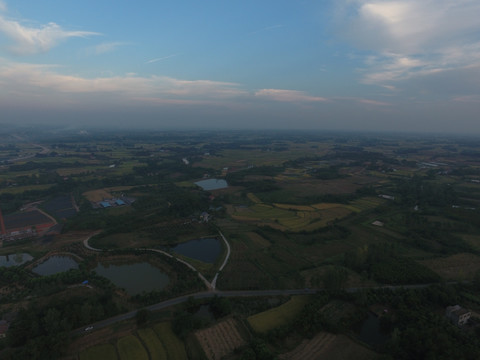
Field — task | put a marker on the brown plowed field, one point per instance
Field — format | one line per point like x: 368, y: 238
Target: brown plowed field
x: 328, y: 346
x: 220, y: 340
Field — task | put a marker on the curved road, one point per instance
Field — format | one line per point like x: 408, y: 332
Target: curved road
x: 209, y: 285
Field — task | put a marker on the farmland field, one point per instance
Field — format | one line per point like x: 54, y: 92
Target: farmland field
x: 291, y: 217
x: 268, y: 320
x: 153, y: 344
x: 456, y: 267
x: 99, y: 352
x: 220, y: 339
x: 130, y: 348
x: 329, y: 347
x: 174, y: 347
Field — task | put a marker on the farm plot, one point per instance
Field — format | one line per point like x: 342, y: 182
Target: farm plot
x: 278, y: 316
x: 291, y: 217
x: 61, y: 207
x: 366, y: 203
x: 97, y: 195
x: 174, y: 347
x: 456, y: 267
x: 329, y: 347
x: 220, y: 340
x: 259, y: 241
x: 99, y: 352
x: 129, y: 347
x: 153, y: 344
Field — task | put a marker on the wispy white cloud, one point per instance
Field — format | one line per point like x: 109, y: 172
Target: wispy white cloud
x: 31, y: 40
x: 3, y: 6
x: 160, y: 59
x: 108, y: 47
x: 45, y: 80
x: 287, y: 95
x: 412, y: 38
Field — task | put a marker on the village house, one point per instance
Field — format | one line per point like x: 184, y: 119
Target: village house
x: 458, y: 315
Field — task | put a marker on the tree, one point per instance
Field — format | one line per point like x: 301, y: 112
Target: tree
x: 142, y: 316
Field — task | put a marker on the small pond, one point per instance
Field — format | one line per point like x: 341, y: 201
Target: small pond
x: 212, y: 184
x: 15, y: 259
x: 370, y: 331
x: 206, y: 249
x: 54, y: 265
x: 134, y: 278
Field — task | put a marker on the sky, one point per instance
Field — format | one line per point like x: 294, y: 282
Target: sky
x: 403, y: 65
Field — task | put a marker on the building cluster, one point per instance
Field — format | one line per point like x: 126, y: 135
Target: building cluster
x: 457, y: 315
x: 113, y: 202
x: 24, y: 225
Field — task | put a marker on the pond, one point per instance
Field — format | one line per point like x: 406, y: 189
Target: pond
x: 134, y: 278
x: 15, y: 259
x: 370, y: 332
x: 212, y: 184
x: 55, y: 265
x: 206, y: 249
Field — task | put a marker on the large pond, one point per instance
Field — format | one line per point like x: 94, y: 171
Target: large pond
x: 54, y: 265
x: 206, y: 249
x: 15, y: 259
x: 212, y: 184
x: 134, y: 278
x: 370, y: 331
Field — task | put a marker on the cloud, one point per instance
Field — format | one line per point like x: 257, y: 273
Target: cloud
x: 3, y: 6
x: 107, y: 47
x: 160, y: 59
x: 46, y: 81
x: 409, y: 39
x: 32, y: 40
x: 287, y: 95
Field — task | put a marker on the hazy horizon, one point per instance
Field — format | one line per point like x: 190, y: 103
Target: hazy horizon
x: 361, y: 65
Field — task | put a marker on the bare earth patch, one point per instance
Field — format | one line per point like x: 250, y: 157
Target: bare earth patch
x: 220, y: 340
x: 327, y: 346
x: 455, y: 267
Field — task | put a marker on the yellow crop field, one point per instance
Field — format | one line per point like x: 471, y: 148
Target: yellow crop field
x: 97, y: 195
x: 130, y: 348
x: 324, y: 206
x: 294, y: 207
x: 278, y: 316
x: 292, y: 217
x: 173, y: 345
x: 153, y: 344
x: 258, y: 240
x: 253, y: 198
x: 99, y: 352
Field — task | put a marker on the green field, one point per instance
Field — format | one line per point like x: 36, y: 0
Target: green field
x: 130, y: 348
x: 174, y: 347
x: 281, y: 315
x: 99, y: 352
x: 292, y: 217
x: 153, y: 344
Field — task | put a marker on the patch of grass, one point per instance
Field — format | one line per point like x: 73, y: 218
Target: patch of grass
x: 130, y: 348
x: 154, y: 345
x: 278, y: 316
x: 99, y: 352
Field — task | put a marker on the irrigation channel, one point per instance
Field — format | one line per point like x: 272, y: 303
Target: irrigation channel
x: 211, y: 286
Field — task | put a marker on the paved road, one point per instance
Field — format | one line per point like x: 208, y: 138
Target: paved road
x: 199, y: 295
x: 235, y: 293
